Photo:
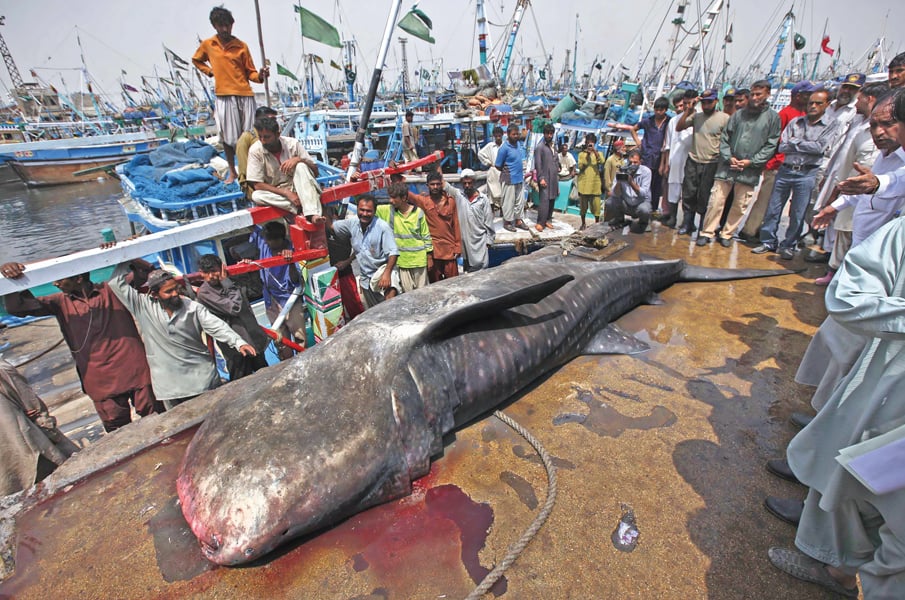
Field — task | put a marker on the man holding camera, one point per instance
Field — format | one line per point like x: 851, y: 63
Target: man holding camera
x: 631, y: 194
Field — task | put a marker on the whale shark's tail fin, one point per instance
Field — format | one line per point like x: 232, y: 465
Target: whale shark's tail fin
x: 696, y: 273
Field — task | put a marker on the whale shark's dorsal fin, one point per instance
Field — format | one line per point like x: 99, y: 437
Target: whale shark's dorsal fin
x: 505, y: 299
x: 613, y: 340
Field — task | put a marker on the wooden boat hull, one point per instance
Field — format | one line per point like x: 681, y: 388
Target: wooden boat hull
x: 60, y: 172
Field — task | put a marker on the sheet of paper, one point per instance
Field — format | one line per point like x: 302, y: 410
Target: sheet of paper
x: 878, y: 463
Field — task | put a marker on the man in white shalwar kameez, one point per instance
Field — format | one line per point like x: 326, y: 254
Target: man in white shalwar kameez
x: 845, y: 529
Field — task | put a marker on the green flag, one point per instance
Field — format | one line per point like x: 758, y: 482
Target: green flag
x: 281, y: 70
x: 315, y: 28
x: 335, y: 66
x: 418, y: 24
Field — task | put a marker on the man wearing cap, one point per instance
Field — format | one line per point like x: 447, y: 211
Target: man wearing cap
x: 672, y: 163
x: 729, y: 101
x: 546, y: 166
x: 475, y: 221
x: 703, y: 156
x: 842, y: 109
x: 101, y: 335
x: 171, y: 327
x: 800, y: 93
x: 805, y: 143
x: 746, y: 144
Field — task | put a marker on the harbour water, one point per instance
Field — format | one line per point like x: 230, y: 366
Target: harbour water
x: 40, y: 223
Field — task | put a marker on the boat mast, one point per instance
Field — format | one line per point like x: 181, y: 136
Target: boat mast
x: 819, y: 52
x: 405, y: 69
x: 350, y: 81
x: 780, y: 45
x: 516, y: 23
x: 483, y: 36
x: 574, y: 57
x: 358, y: 150
x: 678, y: 22
x: 263, y: 56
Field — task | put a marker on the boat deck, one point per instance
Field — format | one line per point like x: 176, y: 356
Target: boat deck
x: 679, y: 434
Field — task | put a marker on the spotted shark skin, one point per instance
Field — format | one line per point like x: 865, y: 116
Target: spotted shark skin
x: 353, y: 421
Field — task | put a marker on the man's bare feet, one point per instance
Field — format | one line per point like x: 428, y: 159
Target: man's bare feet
x: 230, y: 178
x: 846, y: 581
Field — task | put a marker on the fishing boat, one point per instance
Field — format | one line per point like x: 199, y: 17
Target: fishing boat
x: 56, y: 162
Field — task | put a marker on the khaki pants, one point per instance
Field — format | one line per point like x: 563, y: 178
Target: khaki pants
x: 412, y: 279
x: 718, y: 193
x: 304, y: 184
x: 759, y: 208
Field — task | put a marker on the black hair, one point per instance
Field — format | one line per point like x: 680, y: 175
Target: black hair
x: 661, y: 103
x: 590, y: 138
x: 691, y: 94
x: 264, y: 111
x: 398, y: 190
x: 877, y: 89
x: 221, y: 16
x: 743, y: 92
x: 273, y: 230
x: 267, y: 124
x: 762, y: 84
x: 497, y: 130
x: 434, y: 176
x: 513, y: 127
x: 548, y: 128
x: 897, y: 61
x: 409, y: 113
x: 210, y: 263
x: 897, y: 97
x: 366, y: 198
x: 633, y: 152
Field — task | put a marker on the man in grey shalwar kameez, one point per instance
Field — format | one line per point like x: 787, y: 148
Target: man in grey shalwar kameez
x: 845, y: 529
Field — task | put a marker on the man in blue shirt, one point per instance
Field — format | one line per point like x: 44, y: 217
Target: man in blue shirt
x: 509, y: 160
x: 280, y: 282
x: 374, y: 244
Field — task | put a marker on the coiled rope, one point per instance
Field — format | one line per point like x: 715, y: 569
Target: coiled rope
x: 516, y: 549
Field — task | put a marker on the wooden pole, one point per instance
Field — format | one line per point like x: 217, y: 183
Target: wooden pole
x: 263, y: 57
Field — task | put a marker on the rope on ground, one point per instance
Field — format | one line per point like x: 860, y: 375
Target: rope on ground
x: 39, y: 354
x: 516, y: 549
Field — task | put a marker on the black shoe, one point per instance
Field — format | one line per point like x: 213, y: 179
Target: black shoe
x: 508, y: 226
x: 763, y: 249
x: 786, y: 253
x: 725, y: 242
x: 702, y: 240
x: 638, y: 227
x: 780, y: 467
x: 817, y: 257
x: 521, y: 225
x: 786, y: 509
x: 800, y: 420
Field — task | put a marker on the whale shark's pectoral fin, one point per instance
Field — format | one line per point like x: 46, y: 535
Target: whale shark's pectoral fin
x: 505, y: 299
x: 654, y: 299
x: 612, y: 340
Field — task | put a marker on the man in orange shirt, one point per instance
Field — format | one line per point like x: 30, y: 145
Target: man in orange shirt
x: 442, y: 216
x: 232, y: 68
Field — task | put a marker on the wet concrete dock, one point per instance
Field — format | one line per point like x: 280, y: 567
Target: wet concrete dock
x: 679, y: 434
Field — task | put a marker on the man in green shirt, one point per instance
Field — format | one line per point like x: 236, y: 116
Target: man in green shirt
x: 412, y: 236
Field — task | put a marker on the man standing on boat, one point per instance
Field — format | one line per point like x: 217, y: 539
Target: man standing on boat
x: 374, y: 246
x: 232, y: 68
x: 225, y: 300
x: 510, y: 161
x: 108, y: 352
x: 171, y: 326
x: 487, y: 156
x: 700, y: 168
x: 546, y: 165
x: 747, y: 143
x: 409, y: 138
x: 476, y: 222
x: 443, y: 221
x: 282, y: 172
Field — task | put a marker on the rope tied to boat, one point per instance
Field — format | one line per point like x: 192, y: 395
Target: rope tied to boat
x: 516, y: 549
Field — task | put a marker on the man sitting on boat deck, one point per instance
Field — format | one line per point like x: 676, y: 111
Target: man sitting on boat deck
x: 282, y: 172
x: 412, y: 235
x: 631, y: 194
x: 101, y: 335
x: 171, y: 326
x: 232, y: 68
x: 224, y: 299
x: 375, y: 248
x: 244, y: 145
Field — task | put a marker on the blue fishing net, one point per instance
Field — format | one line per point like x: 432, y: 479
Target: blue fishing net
x: 154, y: 177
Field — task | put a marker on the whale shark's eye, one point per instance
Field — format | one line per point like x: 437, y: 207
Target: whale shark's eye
x: 249, y: 551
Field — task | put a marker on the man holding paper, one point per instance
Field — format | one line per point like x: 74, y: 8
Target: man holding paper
x: 846, y: 529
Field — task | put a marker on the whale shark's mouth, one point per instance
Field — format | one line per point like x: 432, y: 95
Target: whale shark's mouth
x: 210, y: 546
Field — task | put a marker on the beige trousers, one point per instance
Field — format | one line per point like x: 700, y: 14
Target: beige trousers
x: 718, y: 193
